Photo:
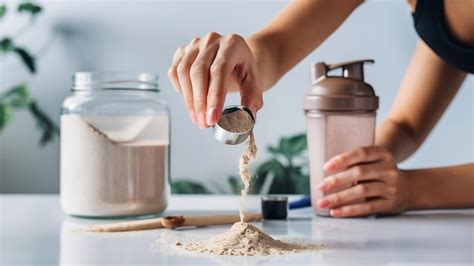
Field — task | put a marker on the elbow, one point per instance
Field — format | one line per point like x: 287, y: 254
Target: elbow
x: 409, y: 132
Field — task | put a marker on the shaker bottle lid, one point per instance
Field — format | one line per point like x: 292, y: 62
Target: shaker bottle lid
x: 348, y: 92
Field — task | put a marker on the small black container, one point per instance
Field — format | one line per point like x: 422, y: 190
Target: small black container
x: 274, y: 207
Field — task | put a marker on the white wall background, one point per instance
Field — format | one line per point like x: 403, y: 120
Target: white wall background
x: 143, y: 35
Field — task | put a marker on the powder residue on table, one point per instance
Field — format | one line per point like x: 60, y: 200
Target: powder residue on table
x: 244, y: 239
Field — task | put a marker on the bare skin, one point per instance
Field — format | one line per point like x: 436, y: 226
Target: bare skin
x: 208, y: 68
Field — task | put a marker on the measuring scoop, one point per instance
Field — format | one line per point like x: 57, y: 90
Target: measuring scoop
x: 226, y: 136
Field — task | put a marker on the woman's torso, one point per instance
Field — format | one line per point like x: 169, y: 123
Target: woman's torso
x: 447, y: 27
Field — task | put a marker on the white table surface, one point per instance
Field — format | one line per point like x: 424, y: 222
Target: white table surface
x: 33, y: 230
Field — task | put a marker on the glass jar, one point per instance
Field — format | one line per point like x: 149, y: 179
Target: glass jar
x: 115, y: 139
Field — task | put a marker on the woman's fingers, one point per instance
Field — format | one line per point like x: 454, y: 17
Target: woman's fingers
x: 250, y: 83
x: 363, y: 172
x: 370, y: 207
x: 221, y: 72
x: 183, y: 70
x: 250, y: 93
x: 200, y: 75
x: 172, y: 71
x: 200, y: 79
x: 357, y: 156
x: 357, y: 192
x: 207, y: 68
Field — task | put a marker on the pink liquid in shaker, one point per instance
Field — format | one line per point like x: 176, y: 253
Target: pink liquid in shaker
x: 330, y: 135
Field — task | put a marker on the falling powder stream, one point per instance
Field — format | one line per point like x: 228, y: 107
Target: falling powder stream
x: 250, y: 154
x: 244, y: 239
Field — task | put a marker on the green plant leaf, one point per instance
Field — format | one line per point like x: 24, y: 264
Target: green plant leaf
x: 188, y: 187
x: 29, y: 7
x: 282, y: 149
x: 258, y: 179
x: 235, y: 184
x: 273, y: 150
x: 18, y: 96
x: 301, y: 182
x: 282, y: 184
x: 290, y: 176
x: 6, y: 45
x: 300, y: 179
x: 290, y: 147
x: 272, y: 166
x: 6, y: 115
x: 3, y: 10
x: 297, y: 144
x: 44, y: 123
x: 27, y: 59
x: 256, y: 184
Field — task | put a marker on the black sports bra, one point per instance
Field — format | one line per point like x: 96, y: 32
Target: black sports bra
x: 430, y: 25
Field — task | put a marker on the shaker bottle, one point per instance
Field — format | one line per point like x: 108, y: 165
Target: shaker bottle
x: 340, y: 115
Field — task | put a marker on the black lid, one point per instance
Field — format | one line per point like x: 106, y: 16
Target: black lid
x: 274, y: 207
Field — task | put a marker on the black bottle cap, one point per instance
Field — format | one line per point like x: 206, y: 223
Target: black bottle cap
x: 274, y: 207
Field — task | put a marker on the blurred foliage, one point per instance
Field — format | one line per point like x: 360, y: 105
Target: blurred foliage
x: 188, y: 187
x: 18, y: 97
x: 285, y: 172
x: 29, y: 7
x: 49, y: 130
x: 27, y: 58
x: 3, y: 10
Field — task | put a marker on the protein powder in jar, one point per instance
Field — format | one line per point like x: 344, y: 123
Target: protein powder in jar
x: 114, y: 146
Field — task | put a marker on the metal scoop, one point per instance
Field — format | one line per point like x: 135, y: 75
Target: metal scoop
x: 232, y: 138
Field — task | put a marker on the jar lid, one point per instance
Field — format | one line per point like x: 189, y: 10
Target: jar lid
x: 340, y: 93
x: 115, y: 80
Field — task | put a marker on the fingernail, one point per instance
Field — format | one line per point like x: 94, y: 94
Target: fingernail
x: 211, y: 116
x: 193, y: 117
x: 202, y: 120
x: 335, y: 212
x: 323, y: 186
x: 254, y: 111
x: 323, y: 203
x: 329, y: 166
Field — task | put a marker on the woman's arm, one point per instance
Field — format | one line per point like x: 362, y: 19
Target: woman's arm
x: 294, y: 33
x: 426, y: 91
x: 446, y: 187
x: 208, y: 67
x: 428, y: 88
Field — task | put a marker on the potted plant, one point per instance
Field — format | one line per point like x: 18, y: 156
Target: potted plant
x: 285, y: 172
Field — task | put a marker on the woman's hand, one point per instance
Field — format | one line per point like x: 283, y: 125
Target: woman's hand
x: 379, y: 182
x: 205, y: 69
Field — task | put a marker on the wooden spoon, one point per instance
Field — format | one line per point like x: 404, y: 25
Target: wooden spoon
x: 172, y: 222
